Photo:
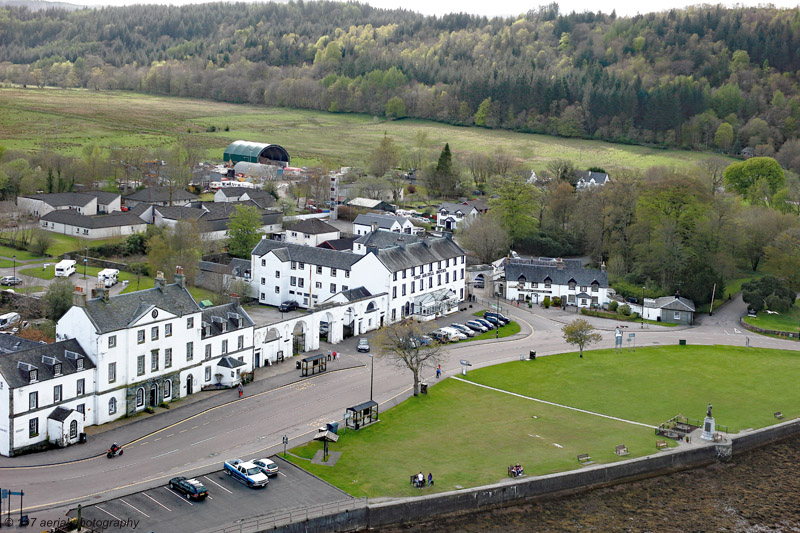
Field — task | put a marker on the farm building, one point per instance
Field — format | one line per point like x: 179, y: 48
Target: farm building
x: 251, y: 152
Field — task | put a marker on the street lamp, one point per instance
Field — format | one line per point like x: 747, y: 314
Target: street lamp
x: 371, y: 375
x: 15, y: 266
x: 642, y: 317
x: 497, y: 320
x: 85, y: 259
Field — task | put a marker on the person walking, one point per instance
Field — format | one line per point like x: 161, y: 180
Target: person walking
x: 241, y: 390
x: 430, y: 479
x: 438, y: 371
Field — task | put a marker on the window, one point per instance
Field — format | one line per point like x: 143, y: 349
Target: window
x: 154, y: 333
x: 189, y: 351
x: 535, y: 285
x: 208, y: 351
x: 347, y: 273
x: 462, y: 259
x: 319, y: 269
x: 403, y: 289
x: 344, y: 287
x: 394, y: 314
x: 154, y: 360
x: 240, y: 343
x: 263, y: 262
x: 167, y: 389
x: 333, y: 287
x: 263, y: 281
x: 294, y: 234
x: 112, y: 341
x: 430, y: 267
x: 594, y: 287
x: 277, y: 273
x: 306, y: 236
x: 168, y: 330
x: 140, y: 336
x: 168, y: 358
x: 81, y: 387
x: 394, y: 292
x: 208, y: 373
x: 318, y: 284
x: 438, y: 279
x: 140, y: 365
x: 301, y: 282
x: 571, y: 298
x: 301, y: 265
x: 79, y: 363
x: 422, y: 284
x: 262, y: 295
x: 333, y: 272
x: 583, y: 288
x: 447, y: 262
x: 112, y: 406
x: 33, y: 428
x: 594, y: 300
x: 676, y: 315
x: 430, y: 282
x: 225, y: 346
x: 547, y: 284
x: 73, y: 429
x: 190, y: 322
x: 447, y: 277
x: 140, y: 397
x: 405, y: 273
x: 438, y: 264
x: 81, y: 408
x: 112, y: 372
x: 412, y: 287
x: 33, y: 400
x: 57, y: 369
x: 462, y: 273
x: 293, y: 281
x: 571, y: 285
x: 394, y: 276
x: 277, y: 291
x: 461, y: 294
x: 294, y: 265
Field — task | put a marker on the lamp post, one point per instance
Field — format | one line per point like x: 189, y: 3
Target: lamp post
x: 85, y: 260
x: 497, y: 310
x: 371, y: 375
x: 642, y: 317
x: 15, y: 265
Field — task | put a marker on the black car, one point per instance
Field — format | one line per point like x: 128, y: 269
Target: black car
x: 489, y: 315
x: 285, y: 307
x: 190, y: 488
x: 632, y: 299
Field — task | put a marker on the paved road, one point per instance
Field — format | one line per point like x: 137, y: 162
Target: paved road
x: 289, y: 406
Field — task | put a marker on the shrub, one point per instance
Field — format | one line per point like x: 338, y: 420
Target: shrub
x: 612, y: 305
x: 546, y: 302
x: 556, y: 301
x: 778, y: 304
x: 624, y: 310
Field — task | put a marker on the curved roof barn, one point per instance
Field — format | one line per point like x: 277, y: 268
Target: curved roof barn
x: 251, y: 152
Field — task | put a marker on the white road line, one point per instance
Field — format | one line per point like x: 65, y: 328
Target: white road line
x: 157, y: 502
x: 282, y: 474
x: 133, y: 507
x: 163, y: 454
x: 179, y: 496
x: 555, y: 404
x: 109, y: 514
x: 204, y: 440
x: 737, y: 331
x: 218, y: 485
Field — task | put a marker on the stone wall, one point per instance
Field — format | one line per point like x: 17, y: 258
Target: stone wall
x: 750, y: 327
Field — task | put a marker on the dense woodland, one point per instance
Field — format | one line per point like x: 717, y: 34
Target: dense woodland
x: 701, y: 78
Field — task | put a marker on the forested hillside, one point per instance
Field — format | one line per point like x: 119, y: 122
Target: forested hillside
x: 702, y: 78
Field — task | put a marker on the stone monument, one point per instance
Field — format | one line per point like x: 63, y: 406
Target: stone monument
x: 708, y: 426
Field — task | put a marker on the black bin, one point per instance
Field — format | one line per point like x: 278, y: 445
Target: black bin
x: 297, y: 365
x: 82, y: 438
x: 532, y: 355
x: 423, y: 388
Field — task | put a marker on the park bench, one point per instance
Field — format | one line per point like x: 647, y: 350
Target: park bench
x: 661, y: 444
x: 778, y: 415
x: 621, y: 449
x: 584, y: 459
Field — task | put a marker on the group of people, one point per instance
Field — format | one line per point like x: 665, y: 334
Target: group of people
x: 419, y: 480
x: 333, y: 356
x: 517, y: 470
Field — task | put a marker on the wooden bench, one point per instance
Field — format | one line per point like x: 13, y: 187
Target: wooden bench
x: 661, y: 444
x: 778, y: 415
x: 584, y: 459
x: 621, y: 449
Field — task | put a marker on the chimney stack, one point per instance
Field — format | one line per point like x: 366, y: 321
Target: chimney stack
x: 160, y: 281
x: 560, y: 264
x: 106, y: 294
x: 79, y: 297
x: 603, y: 266
x: 97, y: 292
x: 180, y: 279
x: 374, y: 227
x: 236, y: 300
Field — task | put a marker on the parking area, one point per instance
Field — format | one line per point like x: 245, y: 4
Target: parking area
x: 163, y: 510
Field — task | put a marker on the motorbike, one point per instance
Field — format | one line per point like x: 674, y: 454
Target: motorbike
x: 114, y: 451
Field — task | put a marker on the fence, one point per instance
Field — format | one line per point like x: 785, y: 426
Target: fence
x: 290, y: 516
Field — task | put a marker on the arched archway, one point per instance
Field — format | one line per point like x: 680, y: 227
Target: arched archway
x: 299, y: 337
x: 328, y: 330
x: 189, y: 382
x: 348, y: 327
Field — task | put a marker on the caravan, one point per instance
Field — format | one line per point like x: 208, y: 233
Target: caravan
x: 65, y: 268
x: 107, y: 277
x: 9, y: 319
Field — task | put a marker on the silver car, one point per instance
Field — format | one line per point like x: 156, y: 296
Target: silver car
x: 474, y: 325
x: 463, y: 329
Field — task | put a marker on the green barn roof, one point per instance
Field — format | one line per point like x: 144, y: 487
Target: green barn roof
x: 255, y: 152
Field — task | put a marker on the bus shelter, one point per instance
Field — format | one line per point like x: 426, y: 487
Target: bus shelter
x: 362, y: 415
x: 312, y: 364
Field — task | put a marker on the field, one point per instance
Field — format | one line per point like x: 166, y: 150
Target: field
x: 66, y: 120
x: 467, y: 435
x: 782, y: 322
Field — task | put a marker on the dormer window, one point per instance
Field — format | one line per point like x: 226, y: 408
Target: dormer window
x: 521, y: 280
x: 79, y: 364
x: 57, y: 369
x: 547, y: 283
x: 33, y: 376
x: 571, y: 285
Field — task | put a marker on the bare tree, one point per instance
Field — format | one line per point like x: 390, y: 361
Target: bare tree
x: 711, y: 170
x: 399, y: 343
x: 484, y: 235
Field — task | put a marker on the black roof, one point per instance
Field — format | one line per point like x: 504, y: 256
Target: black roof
x: 363, y: 406
x: 12, y: 343
x: 314, y: 357
x: 345, y: 243
x: 383, y: 221
x: 230, y: 362
x: 356, y: 294
x: 160, y: 194
x: 226, y: 313
x: 215, y: 216
x: 60, y: 199
x: 571, y: 271
x: 239, y: 266
x: 15, y: 366
x: 104, y: 197
x: 112, y: 220
x: 120, y: 310
x: 312, y: 226
x: 307, y: 254
x: 60, y: 414
x: 407, y: 254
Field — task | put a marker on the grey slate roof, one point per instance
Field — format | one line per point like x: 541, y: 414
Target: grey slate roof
x: 312, y: 226
x: 451, y: 207
x: 234, y: 192
x: 61, y: 199
x: 60, y: 414
x: 345, y: 243
x: 224, y: 312
x: 230, y: 362
x: 307, y: 254
x: 103, y: 197
x: 112, y: 220
x: 16, y: 378
x: 210, y: 266
x: 12, y: 343
x: 239, y: 266
x: 356, y: 294
x: 215, y: 216
x: 386, y: 239
x: 122, y: 309
x: 419, y: 253
x: 383, y: 221
x: 675, y: 303
x: 572, y: 271
x: 161, y: 194
x: 600, y: 178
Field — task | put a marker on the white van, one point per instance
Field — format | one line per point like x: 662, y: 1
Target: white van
x: 453, y: 333
x: 9, y: 319
x: 108, y: 277
x: 65, y: 268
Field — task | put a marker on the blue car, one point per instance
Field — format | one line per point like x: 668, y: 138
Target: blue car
x: 484, y: 323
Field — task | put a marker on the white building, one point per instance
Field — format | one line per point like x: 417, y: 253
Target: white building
x: 242, y: 194
x: 450, y: 215
x: 534, y: 279
x: 367, y: 223
x: 311, y: 232
x: 46, y: 395
x: 588, y: 178
x: 213, y: 218
x: 117, y: 224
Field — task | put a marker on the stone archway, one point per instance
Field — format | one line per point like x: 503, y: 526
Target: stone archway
x: 299, y: 337
x: 328, y: 330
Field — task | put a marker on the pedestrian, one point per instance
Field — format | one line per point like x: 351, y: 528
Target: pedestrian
x: 329, y: 355
x: 241, y: 390
x: 430, y: 479
x: 420, y: 479
x: 336, y: 356
x: 438, y: 371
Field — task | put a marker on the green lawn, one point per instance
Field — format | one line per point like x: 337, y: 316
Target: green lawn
x: 468, y: 435
x: 22, y: 255
x: 512, y: 328
x: 781, y: 322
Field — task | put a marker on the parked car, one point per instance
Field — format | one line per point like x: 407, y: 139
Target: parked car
x: 463, y: 329
x: 440, y: 336
x: 267, y: 467
x: 10, y: 281
x: 632, y: 299
x: 455, y: 334
x: 485, y: 323
x: 493, y: 320
x: 190, y: 488
x: 499, y: 316
x: 424, y: 340
x: 474, y: 325
x: 287, y: 306
x: 363, y: 345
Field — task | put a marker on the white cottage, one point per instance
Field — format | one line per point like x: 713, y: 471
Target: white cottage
x: 531, y: 280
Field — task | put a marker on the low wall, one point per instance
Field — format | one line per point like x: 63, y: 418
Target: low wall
x: 750, y: 327
x: 425, y: 508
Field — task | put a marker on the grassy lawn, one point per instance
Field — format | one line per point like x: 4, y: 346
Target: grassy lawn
x: 39, y: 272
x: 467, y: 435
x: 22, y: 255
x: 783, y: 322
x: 125, y: 118
x: 509, y: 329
x: 67, y: 243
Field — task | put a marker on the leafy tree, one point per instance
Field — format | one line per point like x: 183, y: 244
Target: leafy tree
x: 442, y: 181
x: 758, y: 227
x: 515, y: 204
x: 395, y: 107
x: 485, y: 236
x: 580, y: 333
x: 562, y: 170
x: 42, y: 240
x: 136, y: 244
x: 58, y: 298
x: 244, y: 231
x: 723, y: 137
x: 782, y: 258
x: 397, y: 344
x: 179, y: 245
x: 760, y: 292
x: 483, y: 112
x: 384, y: 158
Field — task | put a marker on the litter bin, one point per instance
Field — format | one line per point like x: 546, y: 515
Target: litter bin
x: 532, y: 355
x: 423, y: 388
x: 682, y: 342
x: 297, y: 365
x: 82, y: 438
x: 333, y: 427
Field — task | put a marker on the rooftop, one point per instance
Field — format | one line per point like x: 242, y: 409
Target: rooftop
x: 14, y: 366
x: 307, y: 254
x: 161, y: 194
x: 313, y: 226
x: 112, y: 220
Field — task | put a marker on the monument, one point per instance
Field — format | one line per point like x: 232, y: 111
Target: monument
x: 708, y: 426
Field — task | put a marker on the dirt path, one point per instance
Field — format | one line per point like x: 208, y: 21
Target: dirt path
x: 758, y: 491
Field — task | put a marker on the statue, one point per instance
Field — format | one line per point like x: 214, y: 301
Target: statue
x: 708, y: 412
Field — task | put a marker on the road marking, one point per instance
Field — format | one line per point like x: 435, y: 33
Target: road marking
x: 179, y: 497
x: 204, y: 440
x: 157, y: 502
x: 737, y: 331
x: 195, y: 427
x: 282, y: 474
x: 218, y: 485
x: 142, y: 443
x: 156, y: 440
x: 163, y: 454
x: 171, y: 434
x: 555, y: 404
x: 109, y: 514
x: 133, y: 507
x: 183, y: 431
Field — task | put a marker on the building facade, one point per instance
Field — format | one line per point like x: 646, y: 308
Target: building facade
x: 531, y: 280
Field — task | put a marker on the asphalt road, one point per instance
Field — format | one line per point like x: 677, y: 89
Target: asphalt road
x: 255, y: 425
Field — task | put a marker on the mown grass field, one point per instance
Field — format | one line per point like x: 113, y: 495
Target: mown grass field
x: 468, y: 435
x: 781, y: 322
x: 66, y: 120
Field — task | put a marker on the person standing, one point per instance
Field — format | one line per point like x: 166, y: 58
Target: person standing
x: 430, y: 479
x: 241, y: 390
x: 438, y: 371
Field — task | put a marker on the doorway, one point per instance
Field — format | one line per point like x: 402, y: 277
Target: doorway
x: 153, y: 396
x: 189, y: 385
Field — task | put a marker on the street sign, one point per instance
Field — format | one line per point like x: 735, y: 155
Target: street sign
x: 465, y: 362
x: 631, y: 335
x: 3, y: 493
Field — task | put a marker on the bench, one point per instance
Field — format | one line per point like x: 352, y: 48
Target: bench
x: 621, y: 449
x: 778, y: 415
x: 584, y: 459
x: 661, y: 444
